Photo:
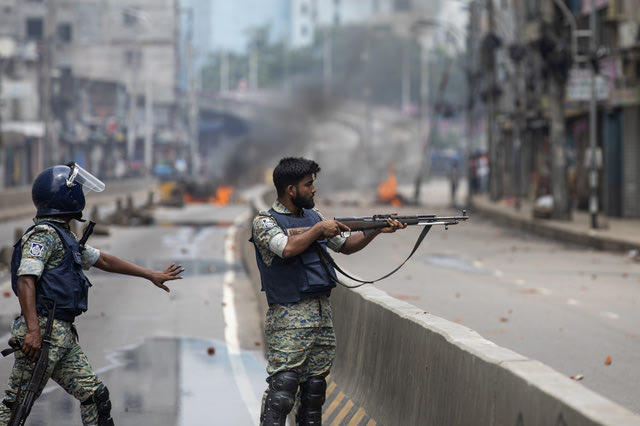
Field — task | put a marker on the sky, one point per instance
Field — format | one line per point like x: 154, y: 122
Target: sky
x: 232, y: 20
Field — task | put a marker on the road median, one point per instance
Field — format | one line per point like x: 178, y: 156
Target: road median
x: 405, y: 366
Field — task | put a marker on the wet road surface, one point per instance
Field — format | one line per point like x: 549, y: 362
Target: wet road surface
x: 178, y: 358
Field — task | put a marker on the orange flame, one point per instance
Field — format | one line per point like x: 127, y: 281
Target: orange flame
x: 223, y: 196
x: 387, y: 190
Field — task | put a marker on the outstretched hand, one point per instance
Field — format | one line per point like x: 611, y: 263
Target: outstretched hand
x: 173, y: 271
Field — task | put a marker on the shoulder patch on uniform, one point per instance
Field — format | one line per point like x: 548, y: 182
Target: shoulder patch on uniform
x: 268, y: 222
x: 36, y: 249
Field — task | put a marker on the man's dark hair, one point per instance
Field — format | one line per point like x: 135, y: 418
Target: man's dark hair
x: 291, y: 170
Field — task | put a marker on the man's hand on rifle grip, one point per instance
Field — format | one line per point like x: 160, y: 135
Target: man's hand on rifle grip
x: 331, y: 228
x: 32, y: 344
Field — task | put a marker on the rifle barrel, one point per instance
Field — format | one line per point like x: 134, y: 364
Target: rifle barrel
x: 377, y: 221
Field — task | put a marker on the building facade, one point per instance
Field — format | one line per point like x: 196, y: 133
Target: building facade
x: 106, y: 79
x: 551, y: 44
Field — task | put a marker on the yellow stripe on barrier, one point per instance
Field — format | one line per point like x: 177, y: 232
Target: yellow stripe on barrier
x: 334, y: 404
x: 339, y: 410
x: 357, y: 418
x: 330, y: 388
x: 342, y: 414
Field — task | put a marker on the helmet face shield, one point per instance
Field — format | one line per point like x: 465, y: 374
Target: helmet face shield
x: 80, y: 176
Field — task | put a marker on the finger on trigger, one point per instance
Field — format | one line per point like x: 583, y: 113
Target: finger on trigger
x: 343, y: 226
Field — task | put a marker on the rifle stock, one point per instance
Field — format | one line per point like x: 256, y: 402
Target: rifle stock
x: 378, y: 221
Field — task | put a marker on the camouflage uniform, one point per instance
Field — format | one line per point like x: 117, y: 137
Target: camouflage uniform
x: 299, y: 335
x: 68, y: 365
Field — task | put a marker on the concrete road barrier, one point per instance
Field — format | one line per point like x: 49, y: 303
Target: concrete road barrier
x: 406, y: 367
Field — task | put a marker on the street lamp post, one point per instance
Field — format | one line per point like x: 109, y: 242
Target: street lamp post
x: 593, y: 127
x: 424, y: 108
x: 137, y: 62
x: 426, y: 138
x: 192, y: 99
x: 327, y: 61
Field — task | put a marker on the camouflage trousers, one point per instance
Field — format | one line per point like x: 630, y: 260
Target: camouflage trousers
x: 306, y: 351
x: 300, y: 337
x: 68, y: 366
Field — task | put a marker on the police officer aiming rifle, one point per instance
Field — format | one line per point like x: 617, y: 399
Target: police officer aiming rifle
x: 297, y: 282
x: 47, y: 264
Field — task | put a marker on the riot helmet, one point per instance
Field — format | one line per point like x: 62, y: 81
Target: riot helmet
x: 60, y: 190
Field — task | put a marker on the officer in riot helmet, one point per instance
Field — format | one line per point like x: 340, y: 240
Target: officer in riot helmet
x: 49, y: 261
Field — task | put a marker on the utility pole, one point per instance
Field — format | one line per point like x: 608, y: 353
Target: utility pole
x: 49, y: 154
x: 327, y: 61
x: 557, y: 86
x: 495, y: 172
x: 192, y: 99
x: 134, y: 63
x: 286, y: 81
x: 471, y: 90
x: 593, y: 125
x: 423, y: 113
x: 517, y: 55
x: 148, y: 120
x: 405, y: 93
x: 224, y: 71
x: 558, y: 60
x: 253, y: 61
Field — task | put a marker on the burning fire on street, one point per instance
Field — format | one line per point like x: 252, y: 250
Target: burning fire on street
x: 221, y: 197
x: 388, y: 190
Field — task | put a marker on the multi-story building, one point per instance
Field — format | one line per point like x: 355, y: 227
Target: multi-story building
x: 21, y: 129
x: 551, y: 40
x: 620, y: 35
x: 106, y: 77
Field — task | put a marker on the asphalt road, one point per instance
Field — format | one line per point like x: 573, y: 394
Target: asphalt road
x: 569, y: 307
x: 189, y: 357
x: 566, y: 306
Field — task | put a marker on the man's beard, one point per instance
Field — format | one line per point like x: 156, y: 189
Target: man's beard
x: 303, y: 203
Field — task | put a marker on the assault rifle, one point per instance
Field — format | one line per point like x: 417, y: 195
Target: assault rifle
x: 378, y: 221
x: 21, y: 412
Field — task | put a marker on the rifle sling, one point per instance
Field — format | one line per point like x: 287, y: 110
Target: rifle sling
x: 325, y: 256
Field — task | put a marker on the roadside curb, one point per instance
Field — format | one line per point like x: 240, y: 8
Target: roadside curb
x: 596, y: 239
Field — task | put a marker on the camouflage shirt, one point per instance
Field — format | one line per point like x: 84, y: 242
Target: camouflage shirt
x: 271, y: 239
x: 42, y: 248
